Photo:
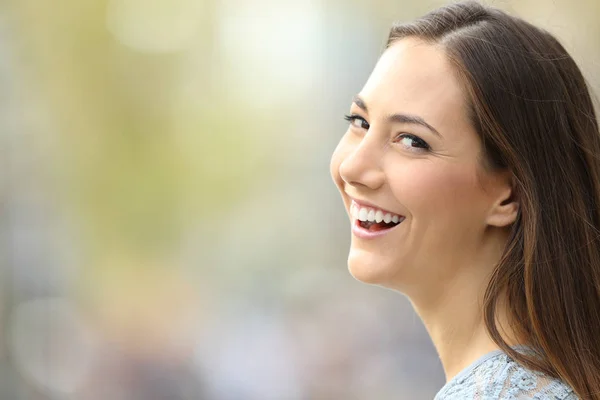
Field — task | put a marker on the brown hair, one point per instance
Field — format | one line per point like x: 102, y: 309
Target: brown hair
x: 532, y: 109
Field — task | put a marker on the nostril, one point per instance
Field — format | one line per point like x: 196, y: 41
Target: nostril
x: 361, y: 167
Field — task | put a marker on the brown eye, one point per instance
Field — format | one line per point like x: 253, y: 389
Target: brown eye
x: 357, y: 121
x: 413, y: 142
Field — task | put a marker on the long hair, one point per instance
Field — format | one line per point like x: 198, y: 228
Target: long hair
x: 533, y: 112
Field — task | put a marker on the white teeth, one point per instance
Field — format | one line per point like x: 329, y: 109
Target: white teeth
x: 362, y: 214
x: 371, y: 215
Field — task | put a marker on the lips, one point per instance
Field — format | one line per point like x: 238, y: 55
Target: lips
x: 364, y: 204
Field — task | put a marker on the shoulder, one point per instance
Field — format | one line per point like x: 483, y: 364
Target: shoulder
x: 502, y: 378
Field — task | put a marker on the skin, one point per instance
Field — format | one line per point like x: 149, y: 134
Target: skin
x: 457, y: 213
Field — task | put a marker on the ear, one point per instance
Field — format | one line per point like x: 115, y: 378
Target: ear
x: 505, y: 206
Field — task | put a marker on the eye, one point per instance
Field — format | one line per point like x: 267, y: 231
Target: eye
x: 357, y: 121
x: 413, y: 143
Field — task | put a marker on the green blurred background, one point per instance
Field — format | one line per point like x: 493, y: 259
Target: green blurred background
x: 169, y: 229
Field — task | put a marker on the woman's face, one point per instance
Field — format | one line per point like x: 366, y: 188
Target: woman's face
x: 411, y: 152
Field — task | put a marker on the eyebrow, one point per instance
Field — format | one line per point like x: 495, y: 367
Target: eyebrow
x: 398, y: 117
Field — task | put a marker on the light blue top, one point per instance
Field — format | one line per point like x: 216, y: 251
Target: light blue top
x: 496, y: 376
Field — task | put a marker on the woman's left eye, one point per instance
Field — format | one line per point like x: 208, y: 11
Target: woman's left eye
x: 413, y: 142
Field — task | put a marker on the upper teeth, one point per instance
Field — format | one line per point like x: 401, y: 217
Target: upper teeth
x: 373, y: 214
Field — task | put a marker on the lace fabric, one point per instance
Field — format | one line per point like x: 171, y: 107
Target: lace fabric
x: 496, y: 376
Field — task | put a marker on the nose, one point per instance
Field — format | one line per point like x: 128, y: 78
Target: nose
x: 362, y: 165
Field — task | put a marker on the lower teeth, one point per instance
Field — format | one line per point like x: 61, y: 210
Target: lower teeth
x: 374, y: 226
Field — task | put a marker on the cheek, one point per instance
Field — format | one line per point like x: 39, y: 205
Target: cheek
x: 433, y: 189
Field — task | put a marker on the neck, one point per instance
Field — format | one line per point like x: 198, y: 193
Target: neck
x: 458, y: 331
x: 452, y: 313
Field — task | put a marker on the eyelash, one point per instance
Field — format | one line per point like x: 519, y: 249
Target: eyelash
x: 423, y: 145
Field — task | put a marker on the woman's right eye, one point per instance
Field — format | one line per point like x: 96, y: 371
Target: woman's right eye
x: 357, y: 121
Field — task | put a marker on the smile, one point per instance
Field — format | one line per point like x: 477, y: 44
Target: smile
x: 370, y: 222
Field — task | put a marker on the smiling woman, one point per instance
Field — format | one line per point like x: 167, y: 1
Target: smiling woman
x: 470, y: 172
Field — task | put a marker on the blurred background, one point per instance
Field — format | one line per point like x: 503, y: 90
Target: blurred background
x: 169, y: 228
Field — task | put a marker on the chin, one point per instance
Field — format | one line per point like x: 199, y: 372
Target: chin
x: 368, y: 269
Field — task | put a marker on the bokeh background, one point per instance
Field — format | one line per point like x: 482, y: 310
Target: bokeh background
x: 168, y: 225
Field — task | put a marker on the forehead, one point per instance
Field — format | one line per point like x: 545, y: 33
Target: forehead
x: 415, y: 77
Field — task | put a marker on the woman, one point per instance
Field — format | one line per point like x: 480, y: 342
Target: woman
x: 471, y: 175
